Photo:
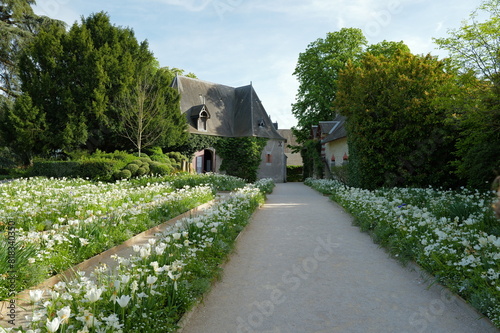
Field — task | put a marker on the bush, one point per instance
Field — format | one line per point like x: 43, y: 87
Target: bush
x: 124, y: 174
x: 96, y: 168
x: 162, y: 169
x: 132, y: 167
x: 141, y: 171
x: 341, y: 173
x: 294, y: 173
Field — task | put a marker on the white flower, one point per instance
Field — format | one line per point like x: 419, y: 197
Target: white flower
x: 145, y: 252
x: 94, y: 294
x: 64, y: 314
x: 176, y: 236
x: 123, y: 300
x: 151, y: 279
x: 134, y: 286
x: 125, y: 279
x: 200, y: 225
x: 36, y: 295
x: 53, y: 326
x: 31, y: 260
x: 84, y: 241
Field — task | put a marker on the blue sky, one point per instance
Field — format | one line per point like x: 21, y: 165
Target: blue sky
x: 235, y: 42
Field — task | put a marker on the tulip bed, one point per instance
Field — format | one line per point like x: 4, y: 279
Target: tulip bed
x: 150, y: 290
x: 58, y: 223
x: 454, y: 235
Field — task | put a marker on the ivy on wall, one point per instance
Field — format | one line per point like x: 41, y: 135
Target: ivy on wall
x: 311, y: 155
x: 241, y: 157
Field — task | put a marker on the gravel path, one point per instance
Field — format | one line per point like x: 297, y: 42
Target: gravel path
x: 300, y: 266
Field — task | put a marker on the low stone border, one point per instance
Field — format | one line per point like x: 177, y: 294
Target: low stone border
x: 22, y: 300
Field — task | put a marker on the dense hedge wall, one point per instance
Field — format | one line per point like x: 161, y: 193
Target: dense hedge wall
x: 99, y: 169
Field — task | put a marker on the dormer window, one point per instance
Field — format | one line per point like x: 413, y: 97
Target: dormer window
x: 202, y: 121
x: 200, y: 116
x: 261, y: 123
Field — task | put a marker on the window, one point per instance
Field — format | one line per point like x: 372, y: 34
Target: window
x: 269, y: 158
x: 202, y: 121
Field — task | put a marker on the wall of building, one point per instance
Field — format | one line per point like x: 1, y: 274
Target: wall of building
x: 273, y: 161
x: 337, y: 148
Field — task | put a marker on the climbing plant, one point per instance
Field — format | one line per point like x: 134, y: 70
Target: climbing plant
x: 241, y: 157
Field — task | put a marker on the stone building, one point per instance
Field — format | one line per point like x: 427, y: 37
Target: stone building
x: 219, y: 110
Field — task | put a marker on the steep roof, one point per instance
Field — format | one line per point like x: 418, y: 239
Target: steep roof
x: 234, y: 112
x: 335, y: 129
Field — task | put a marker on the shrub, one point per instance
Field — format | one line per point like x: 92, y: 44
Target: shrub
x: 56, y: 169
x: 99, y: 169
x: 294, y: 173
x: 141, y: 171
x: 162, y: 169
x: 133, y: 167
x: 124, y: 174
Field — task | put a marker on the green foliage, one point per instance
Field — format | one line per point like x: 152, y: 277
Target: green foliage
x: 341, y: 173
x: 23, y: 127
x: 18, y: 24
x: 475, y: 44
x: 317, y: 71
x: 95, y: 168
x: 124, y: 174
x: 241, y: 157
x: 478, y: 162
x: 311, y: 156
x: 161, y: 169
x: 397, y: 132
x: 195, y: 143
x: 132, y: 167
x: 294, y: 173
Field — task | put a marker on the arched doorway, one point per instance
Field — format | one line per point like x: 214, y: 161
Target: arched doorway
x: 208, y: 161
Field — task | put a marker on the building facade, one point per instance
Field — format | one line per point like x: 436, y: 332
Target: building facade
x: 219, y: 110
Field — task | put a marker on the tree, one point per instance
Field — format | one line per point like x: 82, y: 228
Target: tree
x: 24, y: 128
x: 317, y: 71
x: 397, y: 132
x: 475, y: 44
x: 77, y: 77
x: 18, y: 24
x: 149, y: 113
x: 478, y: 162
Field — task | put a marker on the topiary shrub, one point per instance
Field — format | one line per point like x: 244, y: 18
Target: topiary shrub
x: 124, y: 174
x: 132, y: 167
x: 141, y: 172
x: 162, y: 169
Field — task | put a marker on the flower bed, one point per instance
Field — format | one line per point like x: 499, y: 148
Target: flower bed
x: 453, y: 235
x: 60, y: 222
x: 150, y: 290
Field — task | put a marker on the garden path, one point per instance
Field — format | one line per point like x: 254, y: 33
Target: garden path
x: 301, y: 266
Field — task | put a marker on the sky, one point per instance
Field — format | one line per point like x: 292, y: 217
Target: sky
x: 238, y: 42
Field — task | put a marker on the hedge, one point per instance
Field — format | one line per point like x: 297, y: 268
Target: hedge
x: 98, y: 169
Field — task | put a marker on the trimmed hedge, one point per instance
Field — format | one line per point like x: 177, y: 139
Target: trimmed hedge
x: 294, y: 173
x: 98, y: 169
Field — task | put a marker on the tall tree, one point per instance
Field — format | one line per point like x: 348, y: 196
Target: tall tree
x: 24, y: 129
x: 77, y: 77
x: 18, y: 23
x: 317, y: 71
x: 149, y: 112
x: 475, y: 44
x: 397, y: 133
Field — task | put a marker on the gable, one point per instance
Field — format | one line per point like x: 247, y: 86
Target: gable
x: 233, y: 112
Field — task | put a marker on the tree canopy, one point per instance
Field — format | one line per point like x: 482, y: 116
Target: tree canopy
x: 475, y: 44
x: 396, y: 130
x: 317, y: 71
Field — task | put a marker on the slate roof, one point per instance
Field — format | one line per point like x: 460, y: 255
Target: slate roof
x: 334, y: 130
x: 234, y: 112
